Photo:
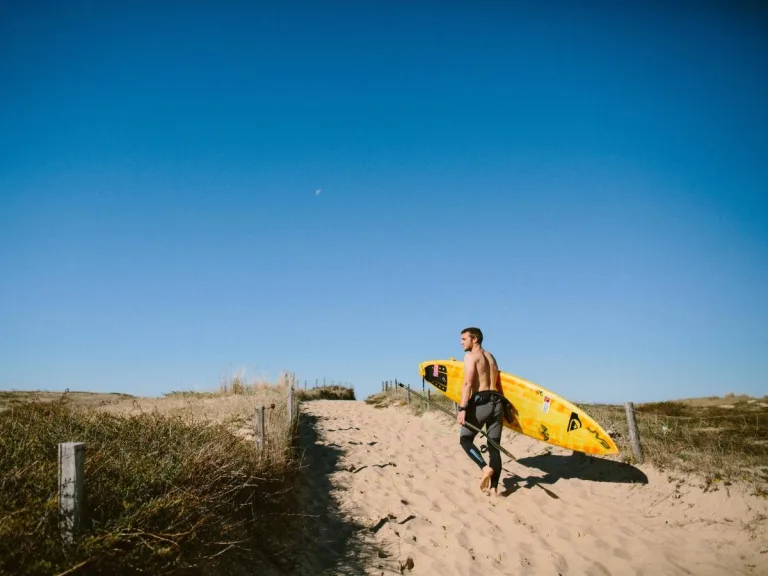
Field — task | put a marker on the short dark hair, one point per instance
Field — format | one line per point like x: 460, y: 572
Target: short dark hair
x: 476, y: 332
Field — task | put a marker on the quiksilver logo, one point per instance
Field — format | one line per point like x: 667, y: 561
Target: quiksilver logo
x: 574, y: 423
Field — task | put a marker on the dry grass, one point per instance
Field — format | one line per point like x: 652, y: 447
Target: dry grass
x: 174, y: 485
x: 326, y: 393
x: 711, y: 401
x: 9, y: 398
x: 704, y: 438
x: 163, y: 493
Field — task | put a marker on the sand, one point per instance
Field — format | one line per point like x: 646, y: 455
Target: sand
x: 394, y: 493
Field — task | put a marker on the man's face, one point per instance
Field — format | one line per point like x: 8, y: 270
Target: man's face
x: 466, y: 342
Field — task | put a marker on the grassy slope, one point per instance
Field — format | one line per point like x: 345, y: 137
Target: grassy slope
x: 720, y: 439
x: 173, y: 486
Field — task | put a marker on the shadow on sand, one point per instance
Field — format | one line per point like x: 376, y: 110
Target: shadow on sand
x: 334, y: 544
x: 576, y: 465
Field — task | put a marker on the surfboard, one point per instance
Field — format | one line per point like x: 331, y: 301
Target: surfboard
x: 538, y: 412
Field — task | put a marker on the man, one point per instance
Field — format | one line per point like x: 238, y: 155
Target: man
x: 481, y: 405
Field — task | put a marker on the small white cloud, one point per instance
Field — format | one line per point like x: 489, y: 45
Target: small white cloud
x: 317, y: 192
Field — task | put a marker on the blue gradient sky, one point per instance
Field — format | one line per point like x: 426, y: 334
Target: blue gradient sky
x: 586, y: 183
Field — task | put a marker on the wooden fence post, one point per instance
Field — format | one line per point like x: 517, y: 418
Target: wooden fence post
x: 408, y: 392
x: 71, y: 488
x: 259, y: 428
x: 429, y: 398
x: 634, y: 437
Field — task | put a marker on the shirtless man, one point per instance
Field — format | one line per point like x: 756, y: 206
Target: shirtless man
x: 481, y: 405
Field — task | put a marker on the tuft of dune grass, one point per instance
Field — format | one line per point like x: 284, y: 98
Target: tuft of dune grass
x: 325, y: 393
x: 164, y: 493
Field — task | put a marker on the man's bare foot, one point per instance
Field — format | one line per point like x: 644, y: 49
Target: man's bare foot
x: 485, y: 479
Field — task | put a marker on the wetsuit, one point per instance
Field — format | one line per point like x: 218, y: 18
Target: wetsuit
x: 484, y: 408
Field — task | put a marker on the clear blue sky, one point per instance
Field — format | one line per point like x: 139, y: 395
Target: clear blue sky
x: 586, y: 182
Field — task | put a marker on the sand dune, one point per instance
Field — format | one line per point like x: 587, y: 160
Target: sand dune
x: 396, y: 493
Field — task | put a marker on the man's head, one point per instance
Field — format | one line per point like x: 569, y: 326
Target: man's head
x: 471, y: 337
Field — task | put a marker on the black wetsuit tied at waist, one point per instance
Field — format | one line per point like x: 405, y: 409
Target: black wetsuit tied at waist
x: 485, y: 396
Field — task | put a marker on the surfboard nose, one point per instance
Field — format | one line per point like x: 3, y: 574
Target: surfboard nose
x: 436, y: 374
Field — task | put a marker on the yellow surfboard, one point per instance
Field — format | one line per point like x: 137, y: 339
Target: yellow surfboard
x: 538, y: 412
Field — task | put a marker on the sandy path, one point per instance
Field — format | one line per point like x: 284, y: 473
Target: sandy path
x: 390, y: 486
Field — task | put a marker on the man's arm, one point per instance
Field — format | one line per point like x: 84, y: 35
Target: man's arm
x: 470, y: 372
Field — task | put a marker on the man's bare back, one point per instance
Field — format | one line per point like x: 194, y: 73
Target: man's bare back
x: 483, y: 369
x: 481, y: 372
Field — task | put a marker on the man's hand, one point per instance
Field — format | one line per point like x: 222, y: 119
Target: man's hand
x: 460, y: 417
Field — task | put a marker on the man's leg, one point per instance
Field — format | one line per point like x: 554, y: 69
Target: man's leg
x: 493, y: 429
x: 466, y: 438
x: 490, y: 415
x: 467, y: 441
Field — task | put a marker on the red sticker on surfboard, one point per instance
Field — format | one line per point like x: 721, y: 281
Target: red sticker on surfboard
x: 545, y: 407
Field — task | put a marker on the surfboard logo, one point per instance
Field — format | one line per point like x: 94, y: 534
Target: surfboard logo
x: 437, y: 375
x: 574, y: 423
x: 547, y: 402
x: 601, y: 440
